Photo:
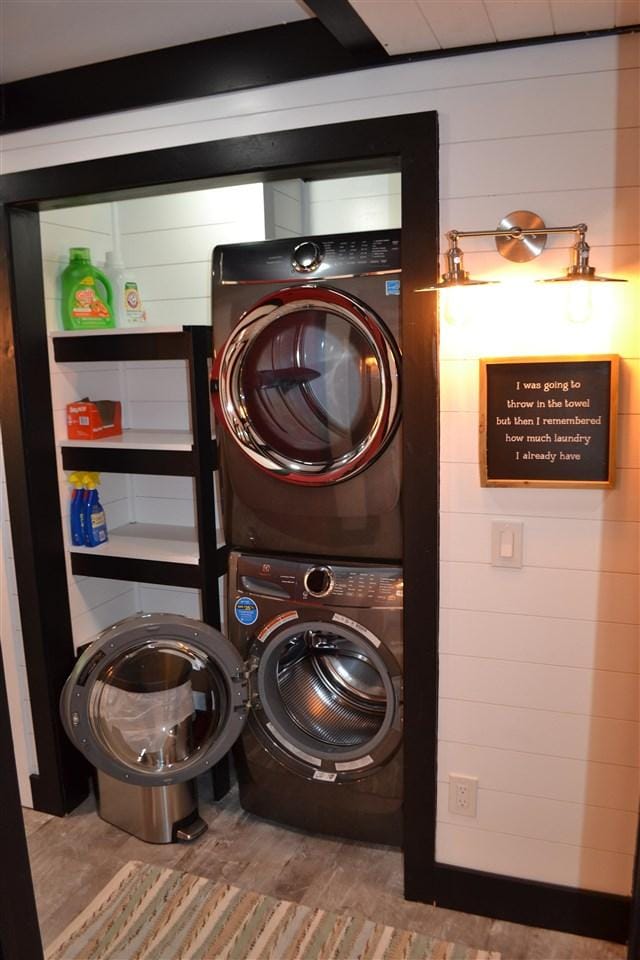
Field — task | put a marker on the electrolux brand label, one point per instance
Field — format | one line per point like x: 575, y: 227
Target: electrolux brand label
x: 246, y: 611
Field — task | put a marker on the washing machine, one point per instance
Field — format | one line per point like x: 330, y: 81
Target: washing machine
x: 322, y: 746
x: 306, y: 390
x: 307, y: 686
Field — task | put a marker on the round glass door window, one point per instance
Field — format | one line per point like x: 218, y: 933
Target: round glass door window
x: 308, y: 385
x: 329, y: 698
x: 155, y: 699
x: 157, y: 707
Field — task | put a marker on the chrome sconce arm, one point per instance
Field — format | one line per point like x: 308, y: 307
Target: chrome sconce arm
x: 520, y: 236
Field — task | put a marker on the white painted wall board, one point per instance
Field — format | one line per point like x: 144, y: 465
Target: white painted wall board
x: 457, y: 24
x: 540, y: 732
x: 398, y: 24
x: 535, y: 639
x: 537, y: 818
x: 627, y: 12
x: 557, y: 542
x: 535, y: 859
x: 174, y: 600
x: 571, y: 17
x: 534, y: 591
x: 540, y: 686
x: 460, y: 492
x: 517, y: 19
x: 603, y: 785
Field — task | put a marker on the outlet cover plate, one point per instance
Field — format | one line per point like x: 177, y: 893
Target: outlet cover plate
x: 463, y: 795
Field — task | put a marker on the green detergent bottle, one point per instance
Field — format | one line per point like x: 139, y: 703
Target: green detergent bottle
x: 87, y: 297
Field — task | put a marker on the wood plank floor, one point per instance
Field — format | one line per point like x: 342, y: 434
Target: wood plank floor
x: 73, y: 858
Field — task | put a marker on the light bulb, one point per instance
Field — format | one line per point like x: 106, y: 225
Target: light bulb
x: 456, y: 305
x: 579, y: 305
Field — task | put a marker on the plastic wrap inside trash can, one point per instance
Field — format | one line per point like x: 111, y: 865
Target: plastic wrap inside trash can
x: 145, y: 720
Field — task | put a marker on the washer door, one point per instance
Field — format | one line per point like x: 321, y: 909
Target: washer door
x: 155, y: 699
x: 329, y: 696
x: 308, y: 385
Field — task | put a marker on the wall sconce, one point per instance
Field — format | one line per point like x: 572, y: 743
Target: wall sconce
x: 520, y: 236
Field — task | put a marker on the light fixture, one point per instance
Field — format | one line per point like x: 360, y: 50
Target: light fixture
x: 520, y: 236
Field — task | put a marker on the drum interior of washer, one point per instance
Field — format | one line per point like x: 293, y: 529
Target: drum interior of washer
x: 331, y: 689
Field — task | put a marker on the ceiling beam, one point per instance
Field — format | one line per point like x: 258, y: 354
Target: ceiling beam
x: 348, y: 27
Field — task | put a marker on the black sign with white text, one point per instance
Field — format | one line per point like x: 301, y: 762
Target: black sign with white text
x: 548, y: 421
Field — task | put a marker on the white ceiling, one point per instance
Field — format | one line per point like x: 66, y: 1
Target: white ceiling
x: 41, y: 36
x: 409, y: 26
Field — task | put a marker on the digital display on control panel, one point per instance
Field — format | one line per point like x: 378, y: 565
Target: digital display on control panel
x: 353, y: 254
x: 350, y: 586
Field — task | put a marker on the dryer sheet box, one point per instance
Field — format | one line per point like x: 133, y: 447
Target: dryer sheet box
x: 94, y: 419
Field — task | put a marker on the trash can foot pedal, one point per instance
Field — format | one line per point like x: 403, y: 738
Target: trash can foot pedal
x: 192, y: 831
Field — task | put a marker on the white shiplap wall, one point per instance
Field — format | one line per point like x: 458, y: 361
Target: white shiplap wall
x: 539, y: 665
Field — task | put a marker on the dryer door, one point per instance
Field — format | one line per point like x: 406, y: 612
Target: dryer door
x: 327, y: 696
x: 308, y: 385
x: 155, y: 699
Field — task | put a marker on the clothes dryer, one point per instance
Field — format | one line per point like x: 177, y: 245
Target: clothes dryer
x: 322, y: 748
x: 306, y: 389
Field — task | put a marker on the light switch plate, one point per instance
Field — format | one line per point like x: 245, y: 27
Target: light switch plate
x: 506, y: 543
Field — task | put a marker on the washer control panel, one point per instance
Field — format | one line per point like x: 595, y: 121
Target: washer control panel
x: 341, y: 585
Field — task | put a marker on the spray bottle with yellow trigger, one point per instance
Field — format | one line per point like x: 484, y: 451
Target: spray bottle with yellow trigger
x: 95, y: 524
x: 76, y: 512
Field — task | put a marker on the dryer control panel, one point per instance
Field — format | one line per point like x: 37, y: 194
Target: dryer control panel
x: 302, y: 258
x: 341, y: 585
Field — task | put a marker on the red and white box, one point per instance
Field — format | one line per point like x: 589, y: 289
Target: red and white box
x: 94, y: 419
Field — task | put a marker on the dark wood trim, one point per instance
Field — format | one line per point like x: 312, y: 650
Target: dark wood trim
x: 199, y: 377
x: 19, y: 931
x: 32, y: 488
x: 97, y: 346
x: 166, y: 463
x: 587, y: 913
x: 294, y: 51
x: 349, y: 29
x: 136, y: 570
x: 420, y: 496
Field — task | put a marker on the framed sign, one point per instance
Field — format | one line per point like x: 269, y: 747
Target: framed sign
x: 548, y: 421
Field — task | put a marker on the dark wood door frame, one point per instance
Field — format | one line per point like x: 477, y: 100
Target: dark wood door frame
x: 407, y: 144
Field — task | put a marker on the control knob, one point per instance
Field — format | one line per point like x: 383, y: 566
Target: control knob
x: 318, y: 581
x: 307, y: 256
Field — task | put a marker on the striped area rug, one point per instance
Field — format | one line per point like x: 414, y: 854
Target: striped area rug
x: 150, y: 913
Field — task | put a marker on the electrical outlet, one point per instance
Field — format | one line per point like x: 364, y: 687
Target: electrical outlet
x: 463, y: 795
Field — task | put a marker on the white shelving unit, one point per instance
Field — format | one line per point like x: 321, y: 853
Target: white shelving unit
x: 149, y: 541
x: 138, y: 440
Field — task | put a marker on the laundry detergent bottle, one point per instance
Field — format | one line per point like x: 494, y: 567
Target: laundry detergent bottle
x: 95, y: 523
x: 77, y: 509
x: 87, y: 296
x: 127, y: 301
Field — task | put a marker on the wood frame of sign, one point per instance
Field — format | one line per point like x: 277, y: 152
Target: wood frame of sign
x: 548, y: 421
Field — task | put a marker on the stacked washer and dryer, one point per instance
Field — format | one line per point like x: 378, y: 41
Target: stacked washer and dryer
x: 307, y: 686
x: 306, y: 390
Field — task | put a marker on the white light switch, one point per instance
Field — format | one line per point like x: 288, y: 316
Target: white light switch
x: 506, y: 544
